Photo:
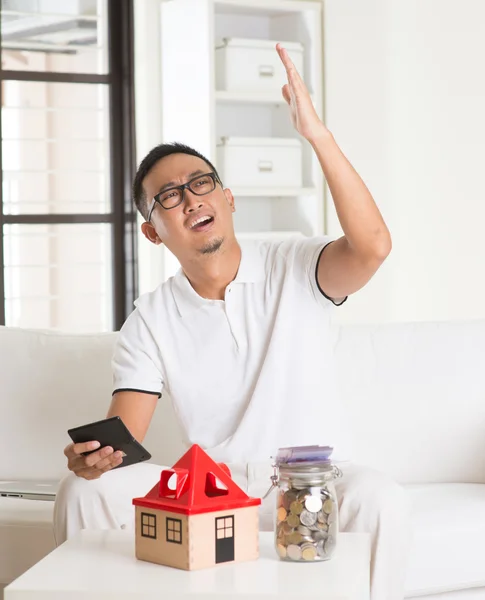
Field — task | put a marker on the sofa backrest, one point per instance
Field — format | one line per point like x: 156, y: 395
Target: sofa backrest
x: 50, y: 382
x: 414, y: 395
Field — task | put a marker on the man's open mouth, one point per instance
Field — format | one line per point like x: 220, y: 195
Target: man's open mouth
x: 202, y: 223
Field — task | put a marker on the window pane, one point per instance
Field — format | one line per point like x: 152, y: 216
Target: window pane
x: 54, y: 35
x: 55, y: 148
x: 58, y: 277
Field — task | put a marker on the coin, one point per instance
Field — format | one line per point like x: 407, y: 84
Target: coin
x: 294, y: 538
x: 322, y: 526
x: 308, y: 552
x: 288, y: 498
x: 302, y: 494
x: 293, y: 552
x: 292, y: 520
x: 281, y: 514
x: 327, y: 506
x: 313, y: 504
x: 321, y: 516
x: 320, y: 535
x: 304, y: 530
x: 308, y: 518
x: 286, y: 527
x: 321, y: 548
x: 296, y: 507
x: 281, y: 550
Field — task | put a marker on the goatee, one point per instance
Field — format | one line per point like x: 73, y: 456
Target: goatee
x: 212, y: 247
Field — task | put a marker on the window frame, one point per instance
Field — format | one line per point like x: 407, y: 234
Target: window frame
x: 171, y: 520
x: 122, y: 163
x: 142, y: 525
x: 225, y: 527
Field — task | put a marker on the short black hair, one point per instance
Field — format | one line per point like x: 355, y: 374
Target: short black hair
x: 150, y: 160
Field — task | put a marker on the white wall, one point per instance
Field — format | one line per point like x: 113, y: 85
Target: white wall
x: 405, y: 98
x: 404, y: 95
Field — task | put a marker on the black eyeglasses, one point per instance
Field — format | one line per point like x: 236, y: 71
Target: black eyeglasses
x: 172, y: 197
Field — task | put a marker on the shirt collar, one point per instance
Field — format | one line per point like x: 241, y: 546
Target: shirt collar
x: 251, y: 270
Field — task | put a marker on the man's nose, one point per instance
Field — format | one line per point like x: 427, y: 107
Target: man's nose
x: 191, y: 201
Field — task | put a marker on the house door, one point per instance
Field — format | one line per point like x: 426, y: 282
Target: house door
x: 224, y: 539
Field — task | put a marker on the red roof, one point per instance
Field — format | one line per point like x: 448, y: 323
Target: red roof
x: 196, y: 484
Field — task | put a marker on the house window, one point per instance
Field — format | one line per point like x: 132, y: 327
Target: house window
x: 224, y: 527
x: 149, y: 526
x: 174, y: 531
x: 68, y: 226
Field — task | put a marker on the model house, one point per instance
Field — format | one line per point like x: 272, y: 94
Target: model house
x: 196, y: 516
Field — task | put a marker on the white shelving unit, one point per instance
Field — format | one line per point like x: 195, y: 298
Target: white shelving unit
x: 196, y: 113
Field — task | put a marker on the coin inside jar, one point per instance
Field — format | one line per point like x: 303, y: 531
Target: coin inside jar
x: 288, y: 498
x: 322, y: 517
x: 304, y: 530
x: 319, y: 535
x: 294, y: 552
x: 327, y: 506
x: 294, y: 538
x: 281, y: 514
x: 308, y: 518
x: 293, y: 520
x: 302, y: 494
x: 296, y: 507
x: 281, y: 550
x: 313, y: 504
x: 308, y: 552
x: 321, y: 548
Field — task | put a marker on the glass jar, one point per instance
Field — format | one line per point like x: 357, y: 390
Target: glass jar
x: 306, y: 527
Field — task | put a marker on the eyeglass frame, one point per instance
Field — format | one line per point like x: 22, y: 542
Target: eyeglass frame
x: 215, y: 178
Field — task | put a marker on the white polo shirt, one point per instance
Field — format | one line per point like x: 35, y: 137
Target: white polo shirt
x: 247, y: 374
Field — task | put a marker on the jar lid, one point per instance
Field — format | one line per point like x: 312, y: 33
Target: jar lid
x: 300, y: 455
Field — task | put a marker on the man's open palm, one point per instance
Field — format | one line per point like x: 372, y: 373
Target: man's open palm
x: 303, y: 114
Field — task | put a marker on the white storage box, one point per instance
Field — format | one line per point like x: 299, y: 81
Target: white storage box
x: 260, y: 162
x: 246, y: 65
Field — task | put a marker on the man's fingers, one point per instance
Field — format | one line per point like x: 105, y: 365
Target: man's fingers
x: 73, y: 450
x: 287, y: 62
x: 110, y: 461
x: 100, y: 468
x: 92, y: 459
x: 294, y: 78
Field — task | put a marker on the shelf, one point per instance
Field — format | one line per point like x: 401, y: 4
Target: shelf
x: 275, y: 97
x: 264, y: 7
x: 272, y: 192
x: 250, y: 97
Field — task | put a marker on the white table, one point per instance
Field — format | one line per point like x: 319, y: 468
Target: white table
x: 101, y: 565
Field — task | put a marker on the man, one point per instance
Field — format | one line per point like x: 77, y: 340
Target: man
x: 239, y: 339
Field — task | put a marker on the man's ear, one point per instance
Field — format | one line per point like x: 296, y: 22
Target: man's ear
x: 230, y: 199
x: 150, y: 233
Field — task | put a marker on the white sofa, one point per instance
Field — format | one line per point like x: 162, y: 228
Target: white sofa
x: 415, y: 394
